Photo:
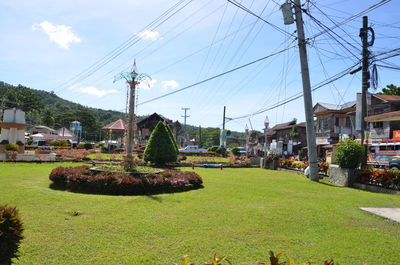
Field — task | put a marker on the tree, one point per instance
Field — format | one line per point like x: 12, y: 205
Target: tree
x: 390, y: 90
x: 160, y: 149
x: 48, y: 118
x: 294, y: 133
x: 88, y: 121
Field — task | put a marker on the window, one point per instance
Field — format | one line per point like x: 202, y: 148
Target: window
x: 348, y: 122
x: 377, y: 125
x: 323, y: 124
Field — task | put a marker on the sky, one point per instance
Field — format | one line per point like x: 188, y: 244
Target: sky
x: 77, y: 48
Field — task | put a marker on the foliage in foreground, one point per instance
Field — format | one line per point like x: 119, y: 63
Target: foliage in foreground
x: 349, y: 154
x: 387, y: 178
x: 11, y: 229
x: 80, y: 179
x: 160, y: 149
x: 273, y: 260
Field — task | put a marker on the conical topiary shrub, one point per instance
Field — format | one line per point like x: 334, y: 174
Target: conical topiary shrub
x: 172, y: 138
x: 160, y: 148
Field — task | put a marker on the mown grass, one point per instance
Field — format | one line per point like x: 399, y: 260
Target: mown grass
x: 241, y: 213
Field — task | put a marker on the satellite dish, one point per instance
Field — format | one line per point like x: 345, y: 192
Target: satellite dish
x: 266, y: 122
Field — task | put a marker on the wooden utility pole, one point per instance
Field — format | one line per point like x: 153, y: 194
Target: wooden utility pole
x: 365, y: 82
x: 308, y: 107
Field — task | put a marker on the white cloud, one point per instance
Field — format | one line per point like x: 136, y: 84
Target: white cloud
x: 91, y: 90
x: 60, y: 34
x: 149, y: 35
x: 169, y: 84
x: 147, y: 84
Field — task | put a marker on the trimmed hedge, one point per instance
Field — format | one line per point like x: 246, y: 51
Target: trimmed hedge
x: 389, y: 179
x: 11, y: 228
x: 81, y: 179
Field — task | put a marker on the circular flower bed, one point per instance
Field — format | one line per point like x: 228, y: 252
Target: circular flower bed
x: 82, y: 179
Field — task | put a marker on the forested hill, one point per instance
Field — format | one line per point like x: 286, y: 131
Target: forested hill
x: 46, y: 108
x: 39, y: 102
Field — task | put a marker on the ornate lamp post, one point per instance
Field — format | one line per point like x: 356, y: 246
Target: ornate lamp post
x: 132, y: 78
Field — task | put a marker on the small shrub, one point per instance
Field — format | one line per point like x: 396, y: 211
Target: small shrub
x: 11, y: 228
x: 59, y: 143
x: 349, y: 154
x: 221, y: 151
x: 20, y: 143
x: 11, y: 147
x: 4, y: 142
x: 88, y: 146
x: 213, y: 148
x: 235, y: 151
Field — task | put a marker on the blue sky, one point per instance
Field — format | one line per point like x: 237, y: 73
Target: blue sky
x: 47, y: 43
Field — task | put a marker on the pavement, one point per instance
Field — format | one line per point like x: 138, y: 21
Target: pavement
x: 392, y: 214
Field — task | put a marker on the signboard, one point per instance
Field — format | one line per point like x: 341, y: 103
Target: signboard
x: 330, y: 140
x: 396, y: 135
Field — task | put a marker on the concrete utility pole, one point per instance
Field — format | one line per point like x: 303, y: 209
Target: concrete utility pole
x: 222, y: 137
x: 308, y: 107
x: 184, y: 125
x: 365, y: 81
x: 200, y: 140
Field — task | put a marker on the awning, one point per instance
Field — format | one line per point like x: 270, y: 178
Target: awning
x: 118, y: 125
x: 389, y: 116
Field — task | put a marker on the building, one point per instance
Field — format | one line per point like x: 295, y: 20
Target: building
x: 333, y: 123
x: 287, y: 138
x: 146, y: 126
x: 381, y: 112
x: 41, y: 129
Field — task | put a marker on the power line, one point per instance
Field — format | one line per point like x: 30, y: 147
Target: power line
x: 123, y: 47
x: 298, y: 95
x: 351, y: 18
x: 215, y: 76
x: 257, y: 16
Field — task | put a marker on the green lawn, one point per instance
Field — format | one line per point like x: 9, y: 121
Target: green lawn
x: 241, y: 213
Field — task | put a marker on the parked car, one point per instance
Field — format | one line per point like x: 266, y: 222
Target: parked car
x: 394, y: 163
x: 242, y: 151
x: 193, y: 148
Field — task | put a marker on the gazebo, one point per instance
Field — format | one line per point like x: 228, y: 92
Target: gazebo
x: 116, y: 126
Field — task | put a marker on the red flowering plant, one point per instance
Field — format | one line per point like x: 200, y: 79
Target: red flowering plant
x: 384, y: 178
